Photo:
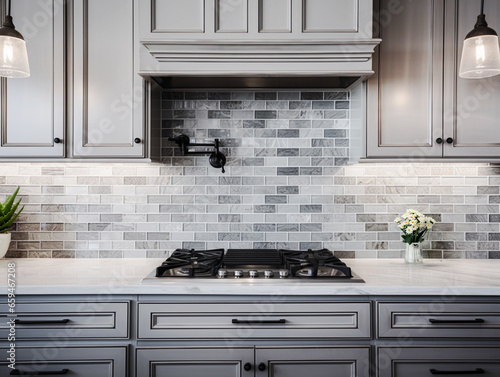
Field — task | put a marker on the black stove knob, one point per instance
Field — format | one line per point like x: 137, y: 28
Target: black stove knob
x: 268, y: 274
x: 253, y: 273
x: 238, y: 274
x: 222, y: 273
x: 284, y: 274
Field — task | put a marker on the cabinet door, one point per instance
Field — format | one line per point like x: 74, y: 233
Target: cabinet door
x: 32, y: 109
x: 68, y: 361
x: 107, y: 94
x: 312, y: 361
x: 471, y: 107
x: 189, y: 362
x: 404, y: 104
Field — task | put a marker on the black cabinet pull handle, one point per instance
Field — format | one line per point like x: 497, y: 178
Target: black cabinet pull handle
x: 449, y: 140
x: 439, y: 140
x: 137, y: 140
x: 57, y: 140
x: 262, y: 367
x: 476, y: 320
x: 258, y: 321
x: 17, y: 372
x: 247, y: 366
x: 477, y: 371
x: 40, y: 322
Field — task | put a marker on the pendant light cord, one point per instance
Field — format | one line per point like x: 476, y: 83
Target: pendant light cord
x: 482, y: 6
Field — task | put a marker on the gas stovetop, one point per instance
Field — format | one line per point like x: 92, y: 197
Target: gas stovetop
x: 255, y: 265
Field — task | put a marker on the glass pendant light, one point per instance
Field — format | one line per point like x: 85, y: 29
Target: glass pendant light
x: 13, y: 54
x: 481, y: 53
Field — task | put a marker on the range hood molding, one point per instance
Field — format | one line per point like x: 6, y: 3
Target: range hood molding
x: 260, y: 59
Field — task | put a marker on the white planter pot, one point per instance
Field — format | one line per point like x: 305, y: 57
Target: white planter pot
x: 4, y: 243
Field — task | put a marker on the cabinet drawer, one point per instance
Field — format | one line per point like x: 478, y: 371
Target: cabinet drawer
x: 69, y: 361
x: 254, y: 320
x: 436, y: 361
x: 439, y: 320
x: 66, y: 320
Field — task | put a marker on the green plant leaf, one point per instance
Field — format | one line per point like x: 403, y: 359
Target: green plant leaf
x: 10, y: 200
x: 13, y: 210
x: 5, y: 227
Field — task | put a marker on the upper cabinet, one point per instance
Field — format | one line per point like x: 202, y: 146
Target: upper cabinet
x: 32, y: 113
x: 84, y: 98
x: 107, y: 111
x: 243, y: 37
x: 471, y: 108
x: 417, y: 106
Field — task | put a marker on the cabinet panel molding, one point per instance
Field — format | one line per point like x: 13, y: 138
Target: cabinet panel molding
x: 330, y: 16
x: 231, y: 16
x: 275, y: 16
x: 177, y: 16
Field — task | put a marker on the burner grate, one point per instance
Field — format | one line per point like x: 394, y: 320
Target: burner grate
x: 191, y: 263
x: 249, y: 257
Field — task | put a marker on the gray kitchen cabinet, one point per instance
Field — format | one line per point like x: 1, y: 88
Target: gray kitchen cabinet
x: 417, y: 106
x: 432, y: 361
x: 419, y: 337
x: 248, y: 362
x: 107, y: 109
x: 32, y: 112
x: 70, y: 361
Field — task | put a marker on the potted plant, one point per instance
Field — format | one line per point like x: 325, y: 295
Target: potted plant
x: 414, y: 226
x: 8, y: 215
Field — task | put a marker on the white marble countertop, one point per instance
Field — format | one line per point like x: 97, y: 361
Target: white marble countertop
x: 124, y: 276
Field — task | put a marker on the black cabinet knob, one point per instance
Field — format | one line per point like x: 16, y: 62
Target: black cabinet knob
x: 247, y: 366
x: 137, y: 140
x: 449, y: 140
x: 439, y: 140
x: 262, y: 367
x: 57, y: 140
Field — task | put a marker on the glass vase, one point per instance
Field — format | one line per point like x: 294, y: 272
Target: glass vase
x: 413, y: 254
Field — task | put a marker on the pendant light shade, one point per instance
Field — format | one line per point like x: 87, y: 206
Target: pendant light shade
x: 13, y: 54
x: 481, y: 52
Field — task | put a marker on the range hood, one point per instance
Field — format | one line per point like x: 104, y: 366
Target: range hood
x: 256, y: 44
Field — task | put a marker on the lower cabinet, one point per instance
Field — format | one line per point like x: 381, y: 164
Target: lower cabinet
x: 432, y: 361
x: 70, y: 361
x: 254, y: 361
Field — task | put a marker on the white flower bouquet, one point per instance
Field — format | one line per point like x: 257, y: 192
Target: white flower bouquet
x: 414, y: 226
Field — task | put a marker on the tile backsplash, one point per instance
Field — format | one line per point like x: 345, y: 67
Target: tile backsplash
x: 287, y: 184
